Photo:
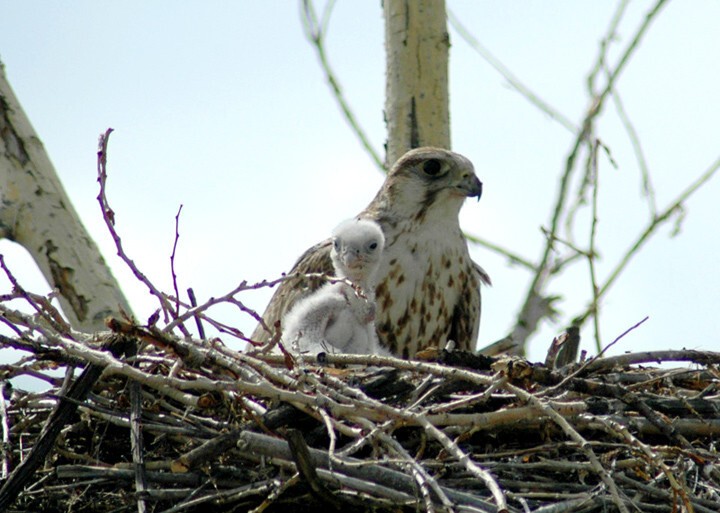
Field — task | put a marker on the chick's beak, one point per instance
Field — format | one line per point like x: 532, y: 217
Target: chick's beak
x: 352, y: 259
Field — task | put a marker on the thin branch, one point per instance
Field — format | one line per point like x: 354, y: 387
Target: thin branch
x: 617, y: 429
x: 464, y: 459
x: 534, y: 307
x: 577, y: 438
x: 600, y: 65
x: 315, y: 33
x: 588, y: 363
x: 172, y: 261
x: 513, y: 257
x: 514, y: 82
x: 198, y: 321
x: 230, y: 298
x: 648, y: 188
x: 424, y: 479
x: 5, y: 452
x: 610, y: 36
x: 630, y: 50
x: 40, y: 304
x: 137, y: 447
x: 592, y: 253
x: 650, y: 229
x: 109, y: 218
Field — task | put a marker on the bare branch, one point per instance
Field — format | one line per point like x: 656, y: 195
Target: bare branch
x: 172, y: 260
x: 315, y: 32
x: 535, y: 305
x: 650, y: 229
x: 39, y: 303
x: 629, y: 50
x: 509, y: 76
x: 592, y: 253
x: 109, y: 217
x: 198, y: 322
x: 595, y: 463
x: 634, y: 137
x: 513, y: 257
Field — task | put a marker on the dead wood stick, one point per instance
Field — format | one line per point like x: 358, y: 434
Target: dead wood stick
x: 689, y: 427
x: 633, y: 400
x: 256, y: 444
x: 40, y: 351
x: 665, y: 427
x: 126, y: 474
x: 623, y: 360
x: 5, y: 432
x: 665, y: 496
x: 198, y: 497
x: 206, y: 452
x: 306, y: 468
x: 487, y: 478
x: 59, y: 417
x: 421, y: 475
x: 435, y: 369
x: 679, y: 489
x: 575, y: 436
x: 136, y: 439
x: 198, y: 321
x: 368, y: 487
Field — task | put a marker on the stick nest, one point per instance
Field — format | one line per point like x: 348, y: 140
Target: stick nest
x: 153, y: 422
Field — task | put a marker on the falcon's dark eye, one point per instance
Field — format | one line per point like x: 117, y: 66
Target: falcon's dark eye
x: 373, y: 246
x: 432, y: 167
x: 336, y: 244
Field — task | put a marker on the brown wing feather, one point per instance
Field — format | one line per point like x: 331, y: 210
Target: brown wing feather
x: 482, y: 274
x: 314, y: 260
x: 465, y: 322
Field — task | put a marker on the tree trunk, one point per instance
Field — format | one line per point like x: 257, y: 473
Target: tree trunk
x: 36, y: 213
x: 416, y: 105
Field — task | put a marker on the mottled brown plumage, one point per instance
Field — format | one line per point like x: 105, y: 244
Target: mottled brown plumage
x: 428, y: 288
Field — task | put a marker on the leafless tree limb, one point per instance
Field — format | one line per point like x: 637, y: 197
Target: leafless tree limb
x: 536, y: 304
x: 315, y: 32
x: 109, y: 217
x: 508, y: 75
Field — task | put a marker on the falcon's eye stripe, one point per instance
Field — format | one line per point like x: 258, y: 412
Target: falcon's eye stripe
x: 432, y: 167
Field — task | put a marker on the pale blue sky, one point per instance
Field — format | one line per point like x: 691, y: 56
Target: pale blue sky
x: 222, y: 107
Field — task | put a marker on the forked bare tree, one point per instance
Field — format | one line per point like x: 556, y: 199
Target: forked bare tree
x: 36, y: 213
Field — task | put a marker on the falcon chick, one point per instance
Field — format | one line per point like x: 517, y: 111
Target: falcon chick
x: 340, y: 317
x: 428, y: 287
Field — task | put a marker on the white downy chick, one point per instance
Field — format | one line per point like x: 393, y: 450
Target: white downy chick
x: 339, y: 317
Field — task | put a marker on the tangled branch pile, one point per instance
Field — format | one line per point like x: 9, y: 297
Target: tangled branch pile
x: 159, y: 423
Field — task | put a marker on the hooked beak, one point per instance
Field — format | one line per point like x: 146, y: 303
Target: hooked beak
x: 471, y: 186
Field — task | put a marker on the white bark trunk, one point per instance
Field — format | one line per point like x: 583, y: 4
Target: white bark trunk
x: 416, y: 105
x: 36, y: 212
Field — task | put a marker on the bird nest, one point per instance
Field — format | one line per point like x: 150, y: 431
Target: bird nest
x: 157, y: 423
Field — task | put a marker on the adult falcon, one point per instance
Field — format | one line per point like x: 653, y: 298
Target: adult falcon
x: 428, y: 287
